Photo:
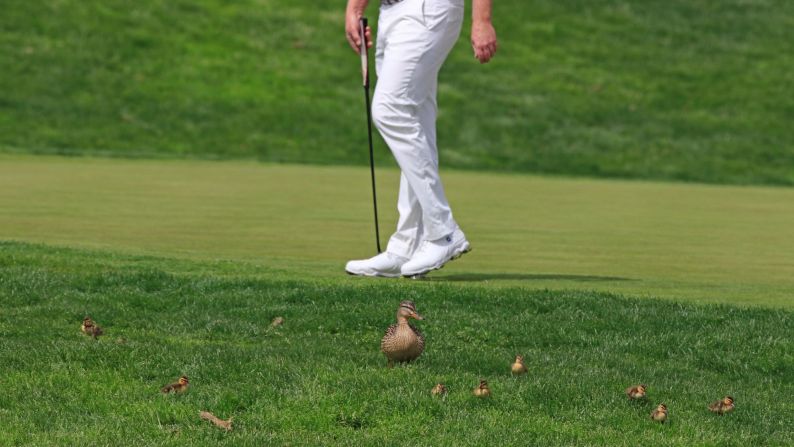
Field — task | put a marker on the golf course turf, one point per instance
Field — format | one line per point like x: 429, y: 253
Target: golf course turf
x: 677, y: 89
x: 202, y: 224
x: 320, y: 379
x: 681, y: 241
x: 185, y: 263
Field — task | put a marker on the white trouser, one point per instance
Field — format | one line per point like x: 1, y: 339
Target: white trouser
x: 414, y: 39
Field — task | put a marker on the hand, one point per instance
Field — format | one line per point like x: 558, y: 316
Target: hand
x: 353, y: 31
x: 483, y: 41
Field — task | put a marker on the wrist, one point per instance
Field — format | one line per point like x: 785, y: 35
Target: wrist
x: 356, y: 9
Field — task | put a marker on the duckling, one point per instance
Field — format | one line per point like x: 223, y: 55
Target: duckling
x: 636, y: 391
x: 179, y: 387
x: 518, y: 367
x: 482, y: 391
x: 90, y: 328
x: 659, y: 414
x: 723, y: 406
x: 402, y: 342
x: 439, y: 390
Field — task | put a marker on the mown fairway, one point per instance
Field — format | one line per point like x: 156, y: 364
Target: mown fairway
x: 676, y: 89
x: 600, y: 284
x: 687, y: 242
x: 319, y: 379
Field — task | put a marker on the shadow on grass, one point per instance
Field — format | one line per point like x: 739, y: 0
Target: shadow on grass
x: 474, y: 277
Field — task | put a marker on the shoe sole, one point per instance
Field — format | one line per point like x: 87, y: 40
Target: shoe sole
x: 456, y: 255
x: 374, y: 275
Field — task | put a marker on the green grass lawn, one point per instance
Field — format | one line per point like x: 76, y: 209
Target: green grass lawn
x: 679, y: 241
x: 600, y: 284
x: 320, y: 380
x: 678, y: 89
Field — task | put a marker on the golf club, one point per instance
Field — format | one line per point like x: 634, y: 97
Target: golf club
x: 365, y: 76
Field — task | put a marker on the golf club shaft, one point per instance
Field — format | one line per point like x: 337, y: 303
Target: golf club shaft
x: 365, y: 79
x: 372, y: 169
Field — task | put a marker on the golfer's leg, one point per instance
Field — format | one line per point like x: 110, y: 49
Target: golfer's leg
x: 403, y: 243
x: 409, y: 226
x: 428, y: 111
x: 409, y: 70
x: 405, y: 239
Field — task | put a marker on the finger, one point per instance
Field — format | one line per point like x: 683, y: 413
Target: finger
x: 484, y: 52
x: 485, y: 55
x: 476, y: 48
x: 491, y: 50
x: 355, y: 38
x: 368, y: 35
x: 352, y: 41
x: 353, y: 35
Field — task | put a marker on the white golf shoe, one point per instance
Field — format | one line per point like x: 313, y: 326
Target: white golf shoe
x: 385, y: 264
x: 432, y: 255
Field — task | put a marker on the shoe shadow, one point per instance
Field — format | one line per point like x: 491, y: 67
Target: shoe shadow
x: 475, y: 277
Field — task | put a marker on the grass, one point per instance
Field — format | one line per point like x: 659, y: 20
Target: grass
x: 185, y: 262
x: 685, y: 90
x: 319, y: 379
x: 676, y: 241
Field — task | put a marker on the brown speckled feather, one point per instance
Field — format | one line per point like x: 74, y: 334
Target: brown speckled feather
x: 660, y: 413
x: 723, y: 406
x: 90, y: 328
x: 402, y: 342
x: 179, y: 387
x: 636, y: 392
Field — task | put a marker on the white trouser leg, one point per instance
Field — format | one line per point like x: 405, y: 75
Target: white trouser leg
x: 414, y: 39
x: 409, y: 227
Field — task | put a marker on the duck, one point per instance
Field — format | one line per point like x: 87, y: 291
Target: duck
x: 90, y: 328
x: 439, y: 390
x: 636, y: 391
x: 403, y: 342
x: 660, y: 413
x: 518, y: 367
x: 482, y: 390
x: 179, y: 387
x: 725, y: 405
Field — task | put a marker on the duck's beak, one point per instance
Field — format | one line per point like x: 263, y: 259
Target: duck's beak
x: 417, y: 316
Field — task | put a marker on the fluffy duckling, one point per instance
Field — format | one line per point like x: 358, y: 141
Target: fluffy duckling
x: 518, y: 367
x: 179, y: 387
x: 482, y: 390
x: 725, y: 405
x: 660, y: 413
x: 402, y: 342
x: 90, y: 328
x: 636, y: 391
x: 439, y: 390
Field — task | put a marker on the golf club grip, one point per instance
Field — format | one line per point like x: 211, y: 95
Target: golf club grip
x: 362, y: 24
